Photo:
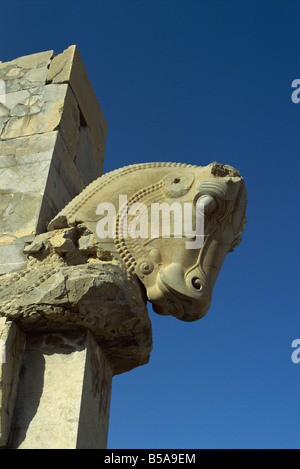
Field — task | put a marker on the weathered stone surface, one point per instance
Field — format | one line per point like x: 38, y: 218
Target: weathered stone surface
x: 26, y: 72
x: 12, y: 257
x: 87, y: 167
x: 67, y: 288
x: 19, y: 213
x: 23, y: 121
x: 12, y: 346
x: 48, y: 151
x: 26, y: 177
x: 26, y: 149
x: 62, y: 393
x: 68, y: 67
x: 66, y: 170
x: 38, y: 178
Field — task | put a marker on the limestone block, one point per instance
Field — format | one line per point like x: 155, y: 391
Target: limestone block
x: 28, y: 149
x: 52, y: 140
x: 69, y: 68
x: 12, y: 346
x: 24, y: 167
x: 26, y: 72
x: 48, y: 106
x: 66, y: 168
x: 96, y: 394
x: 19, y: 215
x: 64, y: 390
x: 87, y: 156
x: 22, y: 103
x: 26, y: 177
x: 64, y: 182
x: 52, y: 200
x: 38, y: 177
x: 11, y: 256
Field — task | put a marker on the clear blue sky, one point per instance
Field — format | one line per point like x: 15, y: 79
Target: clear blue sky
x: 195, y: 82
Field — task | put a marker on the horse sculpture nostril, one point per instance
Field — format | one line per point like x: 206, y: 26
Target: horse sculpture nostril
x: 196, y: 283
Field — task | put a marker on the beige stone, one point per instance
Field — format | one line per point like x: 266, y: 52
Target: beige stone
x: 12, y: 257
x: 61, y: 393
x: 48, y: 152
x: 87, y: 166
x: 80, y: 289
x: 44, y: 119
x: 26, y: 148
x: 26, y: 72
x: 12, y: 346
x: 66, y: 168
x: 68, y: 67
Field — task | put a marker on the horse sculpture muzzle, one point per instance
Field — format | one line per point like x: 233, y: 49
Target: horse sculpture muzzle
x: 180, y: 281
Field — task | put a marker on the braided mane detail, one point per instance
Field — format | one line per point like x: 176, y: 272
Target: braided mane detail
x: 80, y: 200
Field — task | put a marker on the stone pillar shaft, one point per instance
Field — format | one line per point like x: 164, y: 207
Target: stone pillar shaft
x: 71, y: 315
x: 12, y: 346
x: 64, y: 394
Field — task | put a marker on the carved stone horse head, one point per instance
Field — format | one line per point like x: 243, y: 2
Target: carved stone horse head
x: 179, y: 268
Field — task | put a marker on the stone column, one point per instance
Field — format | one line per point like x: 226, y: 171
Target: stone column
x: 71, y: 316
x: 12, y: 346
x: 64, y: 393
x: 52, y: 142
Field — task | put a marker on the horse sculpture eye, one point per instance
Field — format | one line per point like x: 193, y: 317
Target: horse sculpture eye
x: 209, y: 202
x: 196, y: 282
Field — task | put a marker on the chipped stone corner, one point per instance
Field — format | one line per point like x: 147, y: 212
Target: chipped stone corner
x: 52, y: 143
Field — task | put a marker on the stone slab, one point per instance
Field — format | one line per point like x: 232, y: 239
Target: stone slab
x: 64, y: 394
x: 25, y: 72
x: 69, y: 68
x: 48, y: 105
x: 12, y: 257
x: 87, y: 156
x: 12, y: 346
